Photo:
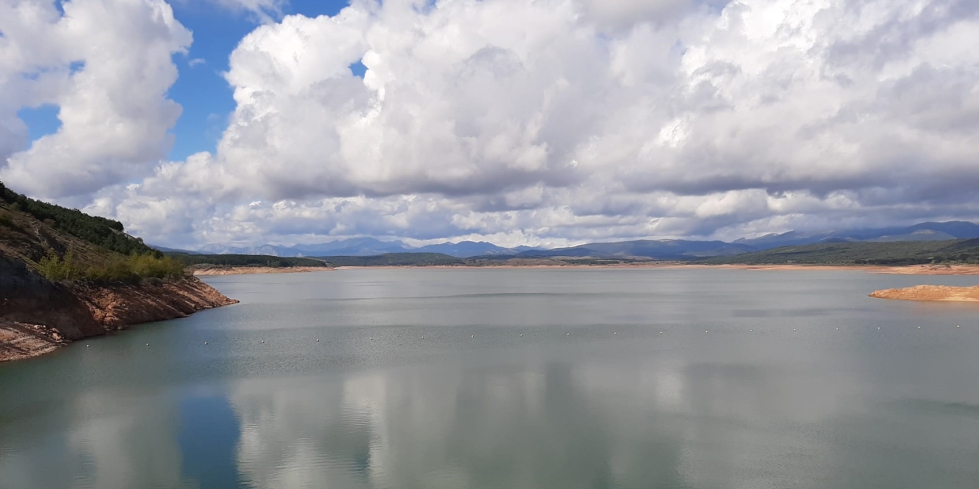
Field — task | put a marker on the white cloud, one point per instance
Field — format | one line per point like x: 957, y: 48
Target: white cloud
x: 106, y: 64
x: 568, y: 120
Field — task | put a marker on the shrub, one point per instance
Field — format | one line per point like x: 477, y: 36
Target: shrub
x: 132, y: 269
x: 57, y: 269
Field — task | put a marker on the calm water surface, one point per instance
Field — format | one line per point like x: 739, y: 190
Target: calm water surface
x: 513, y: 378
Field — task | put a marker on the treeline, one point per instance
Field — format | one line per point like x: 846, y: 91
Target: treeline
x: 96, y: 230
x: 963, y: 251
x: 131, y: 269
x: 246, y: 260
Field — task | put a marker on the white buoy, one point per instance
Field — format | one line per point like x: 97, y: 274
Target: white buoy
x: 473, y: 336
x: 263, y: 341
x: 959, y: 326
x: 837, y: 329
x: 205, y: 342
x: 751, y: 330
x: 317, y: 340
x: 569, y: 334
x: 793, y: 329
x: 616, y: 332
x: 878, y: 327
x: 86, y: 346
x: 660, y: 332
x: 147, y: 344
x: 919, y: 327
x: 423, y: 337
x: 521, y: 334
x: 705, y: 332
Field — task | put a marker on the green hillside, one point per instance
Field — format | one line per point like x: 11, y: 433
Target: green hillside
x: 67, y: 245
x: 99, y: 231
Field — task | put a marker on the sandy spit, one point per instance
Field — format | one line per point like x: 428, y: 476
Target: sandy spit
x: 937, y: 293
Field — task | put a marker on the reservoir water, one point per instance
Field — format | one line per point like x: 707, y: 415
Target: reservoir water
x: 514, y: 378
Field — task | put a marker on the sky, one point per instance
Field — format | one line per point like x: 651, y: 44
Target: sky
x: 519, y: 122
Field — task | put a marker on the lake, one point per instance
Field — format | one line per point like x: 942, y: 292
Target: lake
x: 514, y: 378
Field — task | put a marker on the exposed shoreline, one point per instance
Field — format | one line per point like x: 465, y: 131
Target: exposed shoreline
x: 897, y: 270
x: 217, y: 271
x: 930, y: 293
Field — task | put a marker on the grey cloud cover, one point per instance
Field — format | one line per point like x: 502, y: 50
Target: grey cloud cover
x: 529, y: 122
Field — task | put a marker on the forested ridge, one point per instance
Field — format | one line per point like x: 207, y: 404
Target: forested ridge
x: 99, y: 231
x: 246, y: 260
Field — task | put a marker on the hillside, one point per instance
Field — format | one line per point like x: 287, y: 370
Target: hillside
x: 64, y: 277
x: 667, y: 249
x: 964, y: 251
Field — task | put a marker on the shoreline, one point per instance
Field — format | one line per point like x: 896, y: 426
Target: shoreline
x: 958, y: 270
x: 211, y: 272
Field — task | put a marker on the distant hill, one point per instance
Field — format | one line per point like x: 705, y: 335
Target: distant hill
x: 669, y: 249
x: 246, y: 260
x: 926, y: 231
x: 466, y: 249
x: 664, y: 249
x: 862, y: 253
x: 395, y: 259
x: 361, y: 247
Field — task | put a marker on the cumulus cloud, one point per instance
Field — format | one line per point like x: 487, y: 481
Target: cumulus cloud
x: 567, y: 120
x: 107, y: 65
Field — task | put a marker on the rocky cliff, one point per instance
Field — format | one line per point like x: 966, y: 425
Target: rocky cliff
x: 38, y: 316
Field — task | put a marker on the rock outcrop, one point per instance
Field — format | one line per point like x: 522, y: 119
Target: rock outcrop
x: 38, y: 316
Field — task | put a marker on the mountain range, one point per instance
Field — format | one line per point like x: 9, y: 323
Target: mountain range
x: 664, y: 249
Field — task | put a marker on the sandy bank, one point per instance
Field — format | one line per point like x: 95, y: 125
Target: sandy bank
x: 257, y: 270
x: 939, y: 293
